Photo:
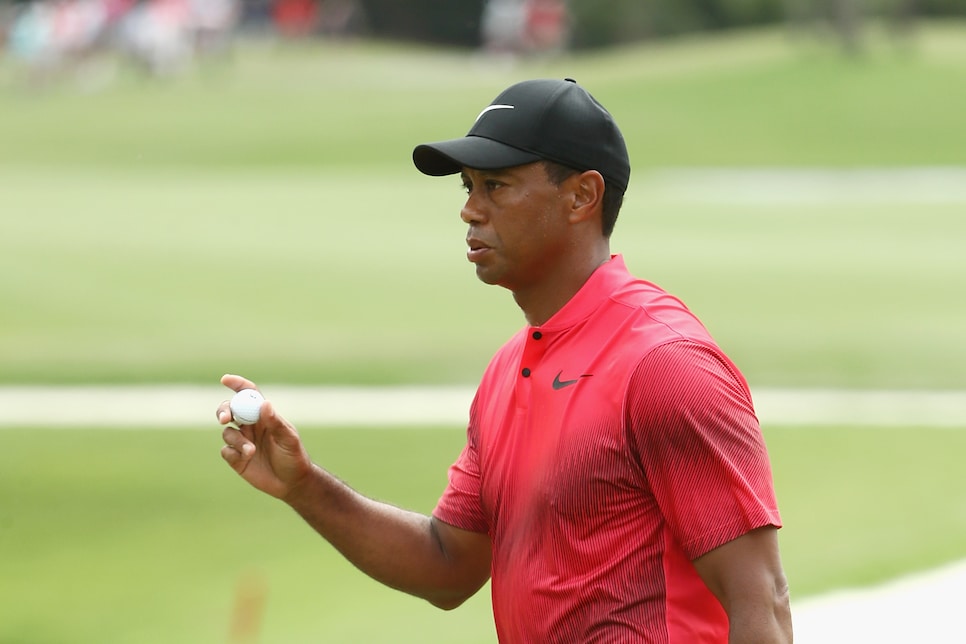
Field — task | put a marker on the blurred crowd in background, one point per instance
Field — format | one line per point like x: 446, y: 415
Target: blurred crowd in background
x: 159, y: 35
x: 162, y: 37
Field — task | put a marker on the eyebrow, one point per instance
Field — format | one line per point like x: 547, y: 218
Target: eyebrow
x: 497, y: 173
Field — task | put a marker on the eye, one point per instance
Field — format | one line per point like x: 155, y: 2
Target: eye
x: 489, y: 185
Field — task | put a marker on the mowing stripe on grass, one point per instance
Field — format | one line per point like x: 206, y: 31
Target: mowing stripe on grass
x: 777, y: 186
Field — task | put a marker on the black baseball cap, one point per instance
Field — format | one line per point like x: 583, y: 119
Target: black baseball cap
x: 543, y: 119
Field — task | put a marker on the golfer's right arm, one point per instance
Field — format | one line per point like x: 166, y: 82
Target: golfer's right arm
x: 405, y: 550
x: 411, y: 552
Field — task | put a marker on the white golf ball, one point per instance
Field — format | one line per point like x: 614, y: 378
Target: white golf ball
x: 246, y: 405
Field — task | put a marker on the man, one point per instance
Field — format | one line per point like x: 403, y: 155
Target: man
x: 614, y: 482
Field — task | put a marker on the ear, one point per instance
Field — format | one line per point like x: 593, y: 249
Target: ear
x: 588, y: 195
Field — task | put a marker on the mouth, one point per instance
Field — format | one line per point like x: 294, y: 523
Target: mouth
x: 476, y: 249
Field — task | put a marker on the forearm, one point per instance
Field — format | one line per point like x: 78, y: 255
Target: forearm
x: 396, y: 547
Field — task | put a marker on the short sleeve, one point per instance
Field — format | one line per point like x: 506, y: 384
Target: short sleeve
x: 460, y: 505
x: 692, y: 425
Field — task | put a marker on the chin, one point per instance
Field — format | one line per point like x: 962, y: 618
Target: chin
x: 488, y: 276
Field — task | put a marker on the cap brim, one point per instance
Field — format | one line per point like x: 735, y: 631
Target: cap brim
x: 450, y: 157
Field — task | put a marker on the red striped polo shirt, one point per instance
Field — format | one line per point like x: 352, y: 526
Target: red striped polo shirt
x: 606, y: 450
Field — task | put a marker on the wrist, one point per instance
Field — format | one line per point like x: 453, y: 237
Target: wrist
x: 303, y: 489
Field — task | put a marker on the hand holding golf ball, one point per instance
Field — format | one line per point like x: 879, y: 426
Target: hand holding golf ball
x: 246, y: 406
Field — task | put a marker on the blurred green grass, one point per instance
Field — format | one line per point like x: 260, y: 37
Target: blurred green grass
x: 151, y: 230
x: 142, y: 537
x: 147, y: 537
x: 295, y: 276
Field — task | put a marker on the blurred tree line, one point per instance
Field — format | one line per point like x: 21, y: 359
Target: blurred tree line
x: 599, y: 23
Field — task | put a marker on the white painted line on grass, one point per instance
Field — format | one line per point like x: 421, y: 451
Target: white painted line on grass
x: 177, y: 406
x: 860, y: 407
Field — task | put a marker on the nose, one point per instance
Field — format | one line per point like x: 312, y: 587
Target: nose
x: 471, y: 213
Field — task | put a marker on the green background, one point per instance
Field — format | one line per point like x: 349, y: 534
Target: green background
x: 264, y: 218
x: 153, y: 228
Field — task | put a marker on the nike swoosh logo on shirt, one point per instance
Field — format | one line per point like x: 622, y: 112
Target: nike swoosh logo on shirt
x: 560, y: 384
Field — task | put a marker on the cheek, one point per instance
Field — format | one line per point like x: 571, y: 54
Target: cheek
x: 540, y: 241
x: 533, y: 223
x: 551, y: 221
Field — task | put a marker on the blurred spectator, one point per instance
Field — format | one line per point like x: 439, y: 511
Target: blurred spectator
x: 31, y: 35
x: 155, y: 34
x: 503, y: 26
x: 51, y: 37
x: 213, y: 23
x: 525, y: 26
x: 547, y: 25
x: 295, y: 18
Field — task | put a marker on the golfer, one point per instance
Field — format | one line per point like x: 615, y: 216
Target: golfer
x: 614, y: 484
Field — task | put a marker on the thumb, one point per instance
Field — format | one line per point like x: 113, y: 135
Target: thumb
x: 283, y: 433
x: 237, y: 383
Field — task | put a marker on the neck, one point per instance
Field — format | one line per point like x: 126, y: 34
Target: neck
x: 540, y: 304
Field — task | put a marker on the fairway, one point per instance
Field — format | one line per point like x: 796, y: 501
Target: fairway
x: 185, y: 536
x: 160, y: 276
x: 265, y: 219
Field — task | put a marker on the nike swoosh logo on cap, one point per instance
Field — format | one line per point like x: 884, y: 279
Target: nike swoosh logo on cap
x: 493, y: 107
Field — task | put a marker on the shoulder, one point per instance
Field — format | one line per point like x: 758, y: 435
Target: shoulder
x: 688, y: 383
x: 688, y: 360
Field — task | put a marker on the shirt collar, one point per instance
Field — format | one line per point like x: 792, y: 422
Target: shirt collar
x: 599, y: 286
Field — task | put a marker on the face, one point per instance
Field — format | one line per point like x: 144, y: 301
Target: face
x: 518, y: 231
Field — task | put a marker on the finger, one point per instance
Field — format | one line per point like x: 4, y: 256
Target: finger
x: 237, y: 442
x: 283, y: 432
x: 237, y: 383
x: 223, y: 413
x: 237, y: 460
x: 231, y: 455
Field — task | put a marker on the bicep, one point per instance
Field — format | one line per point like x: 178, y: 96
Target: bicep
x: 468, y: 556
